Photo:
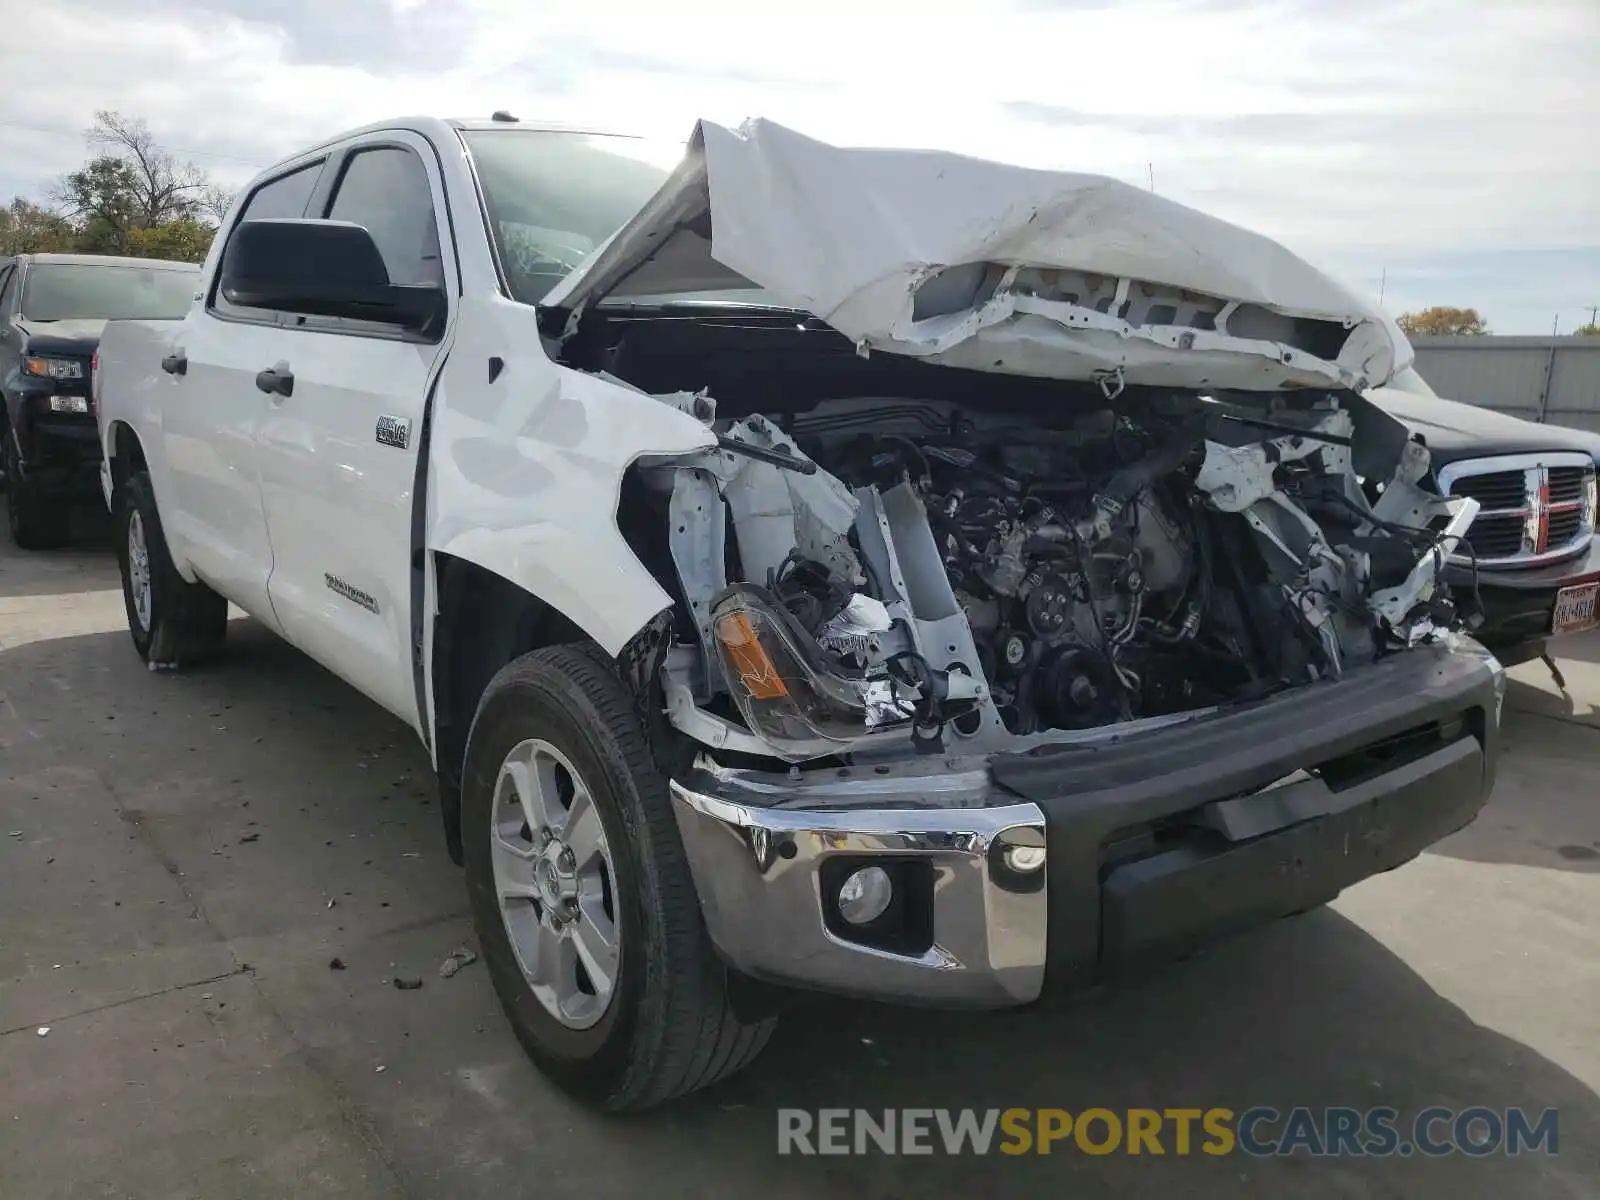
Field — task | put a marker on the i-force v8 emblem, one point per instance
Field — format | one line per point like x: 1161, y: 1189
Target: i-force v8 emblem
x: 394, y: 431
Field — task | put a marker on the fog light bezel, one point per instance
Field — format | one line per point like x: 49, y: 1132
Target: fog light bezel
x: 906, y: 926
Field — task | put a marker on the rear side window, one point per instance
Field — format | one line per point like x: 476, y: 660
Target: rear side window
x: 285, y: 196
x: 386, y: 190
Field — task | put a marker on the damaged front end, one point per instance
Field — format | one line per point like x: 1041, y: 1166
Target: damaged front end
x: 1004, y: 457
x: 876, y: 578
x: 1047, y: 541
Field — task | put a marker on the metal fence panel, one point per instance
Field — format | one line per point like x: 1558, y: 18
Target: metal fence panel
x: 1551, y: 379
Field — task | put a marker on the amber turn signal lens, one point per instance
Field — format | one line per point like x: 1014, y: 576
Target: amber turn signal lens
x: 757, y: 675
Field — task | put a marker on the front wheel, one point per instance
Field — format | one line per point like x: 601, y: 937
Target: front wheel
x: 581, y: 893
x: 172, y: 621
x: 37, y: 520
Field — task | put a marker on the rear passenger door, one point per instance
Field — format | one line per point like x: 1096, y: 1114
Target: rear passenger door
x: 340, y: 453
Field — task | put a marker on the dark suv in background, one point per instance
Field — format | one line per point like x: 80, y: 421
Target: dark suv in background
x: 52, y: 309
x: 1534, y: 571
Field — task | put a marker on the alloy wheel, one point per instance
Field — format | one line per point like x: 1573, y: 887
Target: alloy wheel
x: 555, y: 882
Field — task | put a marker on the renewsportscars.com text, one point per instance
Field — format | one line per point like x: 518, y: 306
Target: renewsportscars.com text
x: 1260, y: 1131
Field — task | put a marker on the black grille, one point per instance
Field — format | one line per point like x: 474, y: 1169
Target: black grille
x: 1564, y: 526
x: 1496, y: 537
x: 1498, y: 489
x: 1566, y: 486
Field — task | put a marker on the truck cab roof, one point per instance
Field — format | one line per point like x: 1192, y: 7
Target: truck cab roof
x: 440, y: 128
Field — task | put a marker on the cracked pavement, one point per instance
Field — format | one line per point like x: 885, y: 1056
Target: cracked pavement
x: 182, y: 856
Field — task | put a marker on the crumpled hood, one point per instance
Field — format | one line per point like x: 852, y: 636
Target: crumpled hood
x: 981, y: 265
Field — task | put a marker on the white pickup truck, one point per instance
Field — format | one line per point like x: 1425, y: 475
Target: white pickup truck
x: 884, y: 573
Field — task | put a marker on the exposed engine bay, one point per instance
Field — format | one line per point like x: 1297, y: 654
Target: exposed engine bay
x: 880, y: 576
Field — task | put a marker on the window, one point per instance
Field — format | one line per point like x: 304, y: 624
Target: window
x: 285, y: 196
x: 553, y: 197
x: 95, y: 292
x: 8, y: 277
x: 385, y: 189
x: 280, y: 198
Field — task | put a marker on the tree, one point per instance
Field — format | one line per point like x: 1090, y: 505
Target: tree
x: 214, y: 202
x: 1589, y: 330
x: 1441, y: 321
x: 28, y: 228
x: 98, y: 198
x: 182, y: 241
x: 133, y: 197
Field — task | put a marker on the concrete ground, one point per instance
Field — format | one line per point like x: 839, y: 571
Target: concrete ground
x: 182, y: 856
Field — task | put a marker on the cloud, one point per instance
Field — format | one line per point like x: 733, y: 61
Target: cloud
x: 1364, y: 134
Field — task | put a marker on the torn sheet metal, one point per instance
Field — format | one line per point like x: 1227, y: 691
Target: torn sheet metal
x: 777, y: 511
x: 992, y: 267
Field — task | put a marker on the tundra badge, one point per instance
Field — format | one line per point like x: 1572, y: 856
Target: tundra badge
x: 394, y: 431
x: 353, y: 594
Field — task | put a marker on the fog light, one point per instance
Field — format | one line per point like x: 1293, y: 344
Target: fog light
x: 1024, y: 860
x: 865, y: 895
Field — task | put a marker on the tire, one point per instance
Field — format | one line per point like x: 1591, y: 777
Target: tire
x: 668, y: 1027
x: 177, y: 623
x: 38, y: 521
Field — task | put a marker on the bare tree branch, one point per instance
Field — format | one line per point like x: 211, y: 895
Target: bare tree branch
x: 214, y: 202
x: 163, y: 188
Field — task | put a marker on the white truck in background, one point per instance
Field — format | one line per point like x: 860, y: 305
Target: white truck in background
x: 856, y: 571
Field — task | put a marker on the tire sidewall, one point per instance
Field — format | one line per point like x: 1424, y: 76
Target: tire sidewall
x: 589, y: 1061
x: 16, y: 497
x: 134, y: 497
x: 24, y: 506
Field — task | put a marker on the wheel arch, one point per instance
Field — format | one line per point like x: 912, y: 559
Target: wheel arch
x: 484, y: 621
x: 492, y: 608
x: 124, y: 452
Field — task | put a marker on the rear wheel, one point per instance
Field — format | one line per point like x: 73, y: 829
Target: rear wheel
x: 38, y: 520
x: 581, y: 893
x: 172, y: 621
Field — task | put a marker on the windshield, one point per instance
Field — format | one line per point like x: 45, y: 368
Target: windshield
x: 553, y: 197
x: 1409, y: 381
x: 95, y: 292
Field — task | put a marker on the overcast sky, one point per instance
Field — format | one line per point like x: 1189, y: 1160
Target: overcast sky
x: 1452, y: 144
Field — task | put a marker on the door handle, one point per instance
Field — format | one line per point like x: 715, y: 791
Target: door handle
x: 176, y: 363
x: 278, y: 380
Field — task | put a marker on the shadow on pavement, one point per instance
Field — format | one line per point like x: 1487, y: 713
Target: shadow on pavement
x: 86, y: 563
x: 1312, y: 1011
x: 1544, y: 699
x: 1583, y: 647
x: 1543, y: 812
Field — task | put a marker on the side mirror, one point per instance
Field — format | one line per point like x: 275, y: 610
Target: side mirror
x: 325, y: 269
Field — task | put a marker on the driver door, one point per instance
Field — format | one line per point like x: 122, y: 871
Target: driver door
x: 340, y: 449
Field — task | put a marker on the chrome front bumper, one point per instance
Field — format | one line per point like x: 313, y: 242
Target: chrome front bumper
x: 1163, y: 838
x: 758, y: 864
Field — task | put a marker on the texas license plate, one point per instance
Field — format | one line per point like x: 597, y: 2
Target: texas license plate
x: 1575, y: 609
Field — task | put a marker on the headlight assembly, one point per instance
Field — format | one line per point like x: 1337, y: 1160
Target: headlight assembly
x: 53, y: 368
x: 799, y: 704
